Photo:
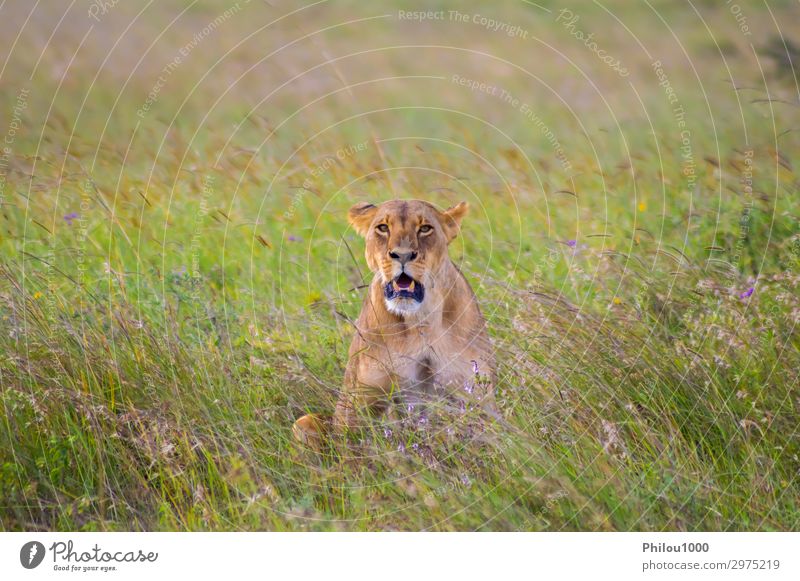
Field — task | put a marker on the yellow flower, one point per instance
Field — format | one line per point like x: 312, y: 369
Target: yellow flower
x: 37, y: 295
x: 617, y: 300
x: 642, y: 206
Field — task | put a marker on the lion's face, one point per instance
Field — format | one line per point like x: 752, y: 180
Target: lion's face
x: 406, y: 245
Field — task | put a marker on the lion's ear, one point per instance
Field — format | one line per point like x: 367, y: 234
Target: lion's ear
x: 360, y: 217
x: 451, y: 220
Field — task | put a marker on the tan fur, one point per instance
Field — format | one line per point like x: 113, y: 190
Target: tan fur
x: 412, y: 352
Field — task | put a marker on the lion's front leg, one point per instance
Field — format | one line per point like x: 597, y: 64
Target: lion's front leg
x: 367, y: 390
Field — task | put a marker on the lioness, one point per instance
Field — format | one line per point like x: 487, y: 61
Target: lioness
x: 420, y: 332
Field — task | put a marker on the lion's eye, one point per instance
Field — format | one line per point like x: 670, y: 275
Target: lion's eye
x: 425, y: 229
x: 383, y: 228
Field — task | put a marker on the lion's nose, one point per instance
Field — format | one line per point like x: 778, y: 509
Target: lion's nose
x: 402, y: 256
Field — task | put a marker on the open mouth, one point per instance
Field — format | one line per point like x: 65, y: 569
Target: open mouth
x: 404, y: 287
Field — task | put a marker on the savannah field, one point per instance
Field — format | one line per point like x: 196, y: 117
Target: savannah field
x: 178, y: 280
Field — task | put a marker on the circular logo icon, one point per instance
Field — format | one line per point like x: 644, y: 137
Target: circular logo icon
x: 31, y: 554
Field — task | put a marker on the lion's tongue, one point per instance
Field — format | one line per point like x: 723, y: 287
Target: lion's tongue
x: 404, y: 281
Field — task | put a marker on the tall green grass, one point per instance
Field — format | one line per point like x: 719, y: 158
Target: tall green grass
x: 177, y: 289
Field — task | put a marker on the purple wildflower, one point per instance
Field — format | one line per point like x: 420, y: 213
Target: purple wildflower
x: 469, y: 387
x: 572, y: 243
x: 465, y: 480
x: 68, y: 218
x: 410, y: 407
x: 387, y: 433
x: 293, y: 238
x: 415, y: 447
x: 401, y: 448
x: 474, y: 366
x: 748, y: 293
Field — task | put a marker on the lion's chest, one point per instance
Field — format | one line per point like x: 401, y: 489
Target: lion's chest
x: 432, y: 366
x: 436, y: 355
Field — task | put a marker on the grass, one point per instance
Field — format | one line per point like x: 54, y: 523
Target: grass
x: 177, y: 287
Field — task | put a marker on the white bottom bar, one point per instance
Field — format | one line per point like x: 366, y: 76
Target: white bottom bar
x: 406, y: 556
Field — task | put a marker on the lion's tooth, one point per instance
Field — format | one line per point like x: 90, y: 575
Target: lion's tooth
x: 411, y: 287
x: 394, y: 285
